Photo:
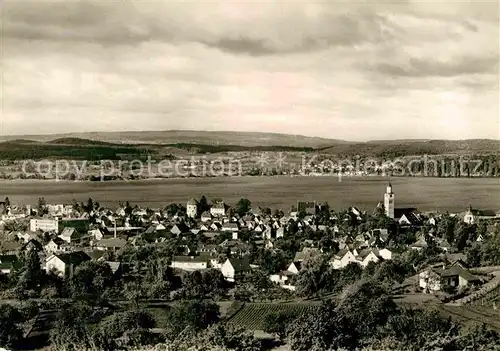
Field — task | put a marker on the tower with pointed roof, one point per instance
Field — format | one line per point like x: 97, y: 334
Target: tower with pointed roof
x: 192, y: 208
x: 389, y: 201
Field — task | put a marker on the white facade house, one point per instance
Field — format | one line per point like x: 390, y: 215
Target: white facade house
x: 46, y: 225
x: 57, y: 245
x: 218, y: 209
x: 470, y: 216
x: 69, y: 235
x: 65, y: 264
x: 190, y: 263
x: 233, y: 268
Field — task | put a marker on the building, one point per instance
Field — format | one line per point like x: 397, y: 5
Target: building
x: 471, y: 216
x: 64, y: 264
x: 43, y: 224
x: 57, y: 245
x: 218, y: 209
x: 192, y: 208
x: 408, y: 216
x: 309, y: 208
x: 234, y: 268
x: 111, y: 244
x: 389, y: 201
x: 438, y: 277
x: 70, y: 235
x: 190, y: 263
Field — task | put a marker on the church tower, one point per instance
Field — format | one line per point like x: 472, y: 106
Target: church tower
x: 389, y: 201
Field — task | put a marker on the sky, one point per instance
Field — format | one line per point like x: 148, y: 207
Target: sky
x: 345, y: 70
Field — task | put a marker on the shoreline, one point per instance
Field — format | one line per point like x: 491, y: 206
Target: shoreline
x: 342, y: 177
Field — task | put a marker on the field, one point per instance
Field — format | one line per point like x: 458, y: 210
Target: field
x: 427, y: 194
x: 486, y: 315
x: 252, y: 315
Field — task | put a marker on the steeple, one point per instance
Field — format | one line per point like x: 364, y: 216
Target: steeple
x: 389, y: 201
x: 389, y: 189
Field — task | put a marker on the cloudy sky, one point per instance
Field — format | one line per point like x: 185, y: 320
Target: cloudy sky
x: 369, y: 70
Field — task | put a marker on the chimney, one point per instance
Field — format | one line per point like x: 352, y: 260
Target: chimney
x: 115, y: 228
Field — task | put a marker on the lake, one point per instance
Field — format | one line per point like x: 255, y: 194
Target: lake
x: 427, y: 194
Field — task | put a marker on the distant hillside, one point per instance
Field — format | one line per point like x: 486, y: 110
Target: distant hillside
x: 76, y: 141
x: 116, y: 144
x: 248, y: 139
x: 85, y: 149
x: 397, y: 148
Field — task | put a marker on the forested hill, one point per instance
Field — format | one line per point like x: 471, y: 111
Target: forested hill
x: 101, y: 146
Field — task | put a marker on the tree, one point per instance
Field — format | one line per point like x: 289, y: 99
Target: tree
x: 278, y: 322
x: 42, y: 206
x: 196, y: 314
x: 133, y: 326
x: 272, y: 261
x: 314, y: 275
x: 91, y: 278
x: 243, y: 207
x: 134, y: 291
x: 90, y: 205
x: 446, y: 228
x: 71, y: 328
x: 203, y: 204
x: 10, y: 331
x: 7, y: 202
x: 32, y: 275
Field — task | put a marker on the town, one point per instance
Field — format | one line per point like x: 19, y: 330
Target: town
x: 252, y: 262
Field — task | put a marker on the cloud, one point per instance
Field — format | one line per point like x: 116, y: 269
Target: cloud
x: 353, y: 71
x: 416, y: 67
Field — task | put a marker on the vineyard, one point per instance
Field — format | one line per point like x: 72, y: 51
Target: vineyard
x: 252, y: 315
x: 465, y: 313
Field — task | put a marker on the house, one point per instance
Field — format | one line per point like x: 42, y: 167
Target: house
x: 70, y: 235
x: 111, y: 244
x: 386, y: 254
x: 306, y: 252
x: 294, y: 267
x: 471, y: 216
x: 57, y: 245
x: 31, y: 245
x: 178, y: 229
x: 233, y: 268
x: 218, y: 209
x: 407, y: 216
x: 438, y: 277
x: 206, y: 216
x: 116, y: 268
x: 230, y: 227
x: 43, y: 224
x: 280, y: 232
x: 26, y: 236
x: 420, y: 244
x: 190, y: 263
x: 97, y: 234
x: 343, y: 258
x: 368, y: 256
x: 281, y: 278
x: 64, y: 264
x: 309, y: 208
